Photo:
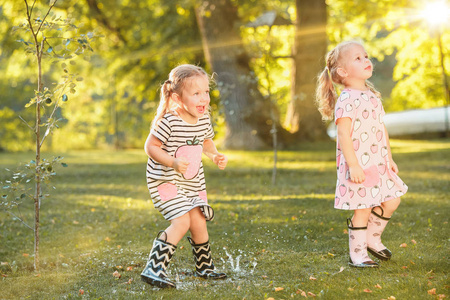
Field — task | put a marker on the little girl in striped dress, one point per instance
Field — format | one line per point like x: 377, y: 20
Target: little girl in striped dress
x: 180, y: 133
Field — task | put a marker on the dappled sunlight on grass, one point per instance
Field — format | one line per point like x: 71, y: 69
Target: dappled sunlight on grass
x: 100, y: 220
x: 413, y: 146
x: 106, y: 157
x: 262, y: 197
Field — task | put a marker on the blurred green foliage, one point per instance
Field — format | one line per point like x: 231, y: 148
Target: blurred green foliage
x: 143, y: 40
x: 397, y: 34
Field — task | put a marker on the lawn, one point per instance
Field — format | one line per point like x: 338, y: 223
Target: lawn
x: 278, y: 241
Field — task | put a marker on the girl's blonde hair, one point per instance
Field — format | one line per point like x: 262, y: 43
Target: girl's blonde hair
x: 326, y: 93
x: 178, y: 78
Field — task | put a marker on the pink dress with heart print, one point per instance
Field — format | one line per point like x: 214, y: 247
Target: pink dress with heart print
x: 366, y: 111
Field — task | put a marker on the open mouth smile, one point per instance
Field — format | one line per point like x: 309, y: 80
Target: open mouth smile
x: 201, y: 109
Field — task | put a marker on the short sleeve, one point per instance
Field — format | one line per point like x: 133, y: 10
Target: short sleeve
x: 162, y: 130
x: 210, y: 131
x: 345, y: 107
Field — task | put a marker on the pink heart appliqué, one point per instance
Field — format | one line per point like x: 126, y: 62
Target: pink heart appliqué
x: 372, y: 176
x: 167, y: 191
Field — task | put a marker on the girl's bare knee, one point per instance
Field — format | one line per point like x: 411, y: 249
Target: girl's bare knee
x: 182, y: 223
x: 390, y: 206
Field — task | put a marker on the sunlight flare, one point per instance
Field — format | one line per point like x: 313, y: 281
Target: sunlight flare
x: 436, y: 13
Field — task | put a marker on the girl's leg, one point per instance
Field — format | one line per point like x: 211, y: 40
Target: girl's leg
x: 197, y: 227
x: 162, y: 251
x: 388, y: 207
x: 378, y: 220
x: 357, y: 233
x: 360, y: 217
x: 204, y: 265
x: 177, y: 229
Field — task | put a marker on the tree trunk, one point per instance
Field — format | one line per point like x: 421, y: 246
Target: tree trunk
x: 247, y: 112
x: 37, y: 192
x: 310, y: 46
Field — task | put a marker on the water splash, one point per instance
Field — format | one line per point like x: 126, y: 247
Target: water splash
x: 254, y: 263
x: 233, y: 262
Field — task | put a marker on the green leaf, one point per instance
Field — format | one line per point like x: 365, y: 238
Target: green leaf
x: 64, y: 98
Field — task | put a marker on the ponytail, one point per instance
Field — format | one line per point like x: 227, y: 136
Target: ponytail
x: 372, y: 88
x: 325, y: 95
x: 165, y: 102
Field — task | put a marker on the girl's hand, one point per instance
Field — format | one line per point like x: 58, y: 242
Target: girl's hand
x: 180, y: 165
x: 357, y: 174
x: 220, y: 160
x: 394, y: 167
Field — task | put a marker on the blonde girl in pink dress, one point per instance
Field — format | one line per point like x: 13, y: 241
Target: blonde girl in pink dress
x: 367, y: 180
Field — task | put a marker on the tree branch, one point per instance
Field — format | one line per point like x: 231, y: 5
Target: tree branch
x: 18, y: 218
x: 32, y: 129
x: 32, y: 7
x: 48, y: 11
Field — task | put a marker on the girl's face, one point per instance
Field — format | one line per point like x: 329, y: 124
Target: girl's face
x: 194, y: 101
x: 356, y: 65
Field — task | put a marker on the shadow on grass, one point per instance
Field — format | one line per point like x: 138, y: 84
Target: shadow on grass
x: 101, y: 220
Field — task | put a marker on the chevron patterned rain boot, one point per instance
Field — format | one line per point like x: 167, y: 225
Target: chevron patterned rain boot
x: 204, y: 266
x: 357, y: 237
x: 155, y: 271
x: 375, y: 229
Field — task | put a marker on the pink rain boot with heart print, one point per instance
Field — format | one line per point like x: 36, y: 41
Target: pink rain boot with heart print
x: 375, y: 229
x: 357, y: 238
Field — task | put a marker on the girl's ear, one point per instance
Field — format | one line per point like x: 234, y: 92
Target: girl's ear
x: 341, y: 72
x: 176, y: 98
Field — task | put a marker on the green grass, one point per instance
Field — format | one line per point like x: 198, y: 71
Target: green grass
x: 100, y: 219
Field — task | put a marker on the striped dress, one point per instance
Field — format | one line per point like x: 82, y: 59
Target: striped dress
x: 174, y: 194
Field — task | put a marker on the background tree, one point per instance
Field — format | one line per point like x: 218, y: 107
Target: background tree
x: 247, y: 112
x: 119, y: 97
x: 310, y: 46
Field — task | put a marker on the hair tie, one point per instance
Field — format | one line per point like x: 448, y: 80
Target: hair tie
x: 328, y: 71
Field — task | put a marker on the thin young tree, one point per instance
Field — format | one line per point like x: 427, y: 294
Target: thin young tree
x: 58, y: 40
